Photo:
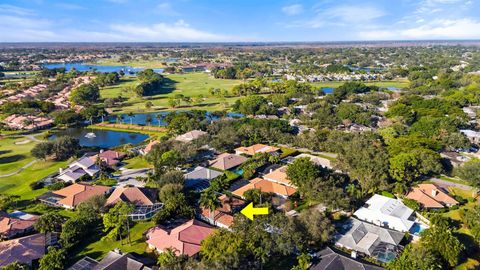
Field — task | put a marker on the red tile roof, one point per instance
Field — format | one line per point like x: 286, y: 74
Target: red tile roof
x: 22, y: 250
x: 135, y: 195
x: 430, y: 196
x: 78, y: 193
x: 256, y: 148
x: 266, y: 186
x: 185, y: 239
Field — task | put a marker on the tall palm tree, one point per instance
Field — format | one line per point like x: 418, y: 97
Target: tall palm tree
x: 160, y: 118
x: 119, y: 118
x: 148, y: 119
x: 209, y: 200
x: 131, y: 115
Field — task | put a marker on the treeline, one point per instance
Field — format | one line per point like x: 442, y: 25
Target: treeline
x: 151, y: 82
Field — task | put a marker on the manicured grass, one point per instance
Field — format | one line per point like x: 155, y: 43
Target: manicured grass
x: 287, y: 152
x: 454, y: 180
x: 133, y: 63
x: 96, y: 248
x: 19, y: 184
x: 396, y: 83
x: 14, y: 153
x: 128, y: 128
x: 189, y: 84
x: 137, y: 162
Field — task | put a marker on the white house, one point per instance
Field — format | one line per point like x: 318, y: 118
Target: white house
x: 387, y: 212
x: 79, y: 168
x: 472, y: 135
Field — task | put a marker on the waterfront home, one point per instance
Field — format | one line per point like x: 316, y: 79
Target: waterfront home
x: 110, y: 158
x: 29, y: 122
x: 222, y: 217
x: 374, y: 241
x: 78, y: 169
x: 199, y: 178
x: 185, y: 239
x: 145, y: 201
x: 227, y: 161
x: 387, y: 212
x: 331, y: 260
x: 430, y: 196
x: 114, y: 260
x: 16, y: 224
x: 190, y: 136
x: 73, y: 195
x: 257, y: 148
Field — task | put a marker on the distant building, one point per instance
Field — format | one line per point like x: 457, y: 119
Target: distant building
x: 114, y: 260
x: 190, y: 136
x: 387, y: 212
x: 184, y: 239
x: 227, y: 161
x: 199, y: 178
x: 257, y: 148
x: 473, y: 136
x: 330, y: 260
x: 430, y: 196
x: 30, y: 123
x: 71, y: 196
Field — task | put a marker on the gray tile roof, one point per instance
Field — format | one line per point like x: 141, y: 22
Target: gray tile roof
x: 330, y: 260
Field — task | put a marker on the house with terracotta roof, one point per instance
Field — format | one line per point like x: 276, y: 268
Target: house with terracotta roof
x: 190, y: 136
x: 149, y: 147
x: 110, y: 158
x: 71, y: 196
x: 12, y: 226
x: 223, y: 216
x: 430, y: 196
x: 145, y: 201
x: 279, y: 176
x: 257, y: 148
x: 78, y: 169
x: 25, y: 250
x: 284, y: 191
x: 227, y: 161
x: 184, y: 239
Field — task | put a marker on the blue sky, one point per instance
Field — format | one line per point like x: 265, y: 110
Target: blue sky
x: 237, y: 20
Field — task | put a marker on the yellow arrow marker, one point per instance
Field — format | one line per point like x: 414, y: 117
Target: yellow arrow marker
x: 249, y: 211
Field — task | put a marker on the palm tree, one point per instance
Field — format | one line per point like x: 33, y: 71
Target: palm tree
x: 209, y: 200
x: 160, y: 118
x: 148, y: 119
x: 119, y: 118
x: 131, y: 115
x: 101, y: 114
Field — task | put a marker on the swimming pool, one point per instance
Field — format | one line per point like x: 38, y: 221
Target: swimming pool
x: 417, y: 228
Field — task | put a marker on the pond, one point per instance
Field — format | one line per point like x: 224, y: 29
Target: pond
x: 99, y: 68
x: 327, y: 90
x: 155, y: 119
x: 102, y: 138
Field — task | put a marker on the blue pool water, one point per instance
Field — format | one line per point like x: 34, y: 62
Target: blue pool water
x: 417, y: 228
x: 327, y: 90
x: 238, y: 171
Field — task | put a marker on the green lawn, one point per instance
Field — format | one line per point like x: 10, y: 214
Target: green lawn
x: 14, y: 153
x: 137, y: 162
x: 189, y: 84
x: 134, y: 63
x: 96, y: 248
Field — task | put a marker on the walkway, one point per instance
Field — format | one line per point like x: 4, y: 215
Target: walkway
x: 444, y: 183
x: 19, y: 170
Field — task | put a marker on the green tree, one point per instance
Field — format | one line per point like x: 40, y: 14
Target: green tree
x: 316, y: 227
x: 85, y: 94
x: 416, y: 256
x: 209, y: 200
x: 42, y: 150
x: 116, y: 221
x: 302, y: 170
x: 470, y: 171
x: 7, y: 201
x: 53, y: 260
x: 49, y: 222
x: 303, y: 262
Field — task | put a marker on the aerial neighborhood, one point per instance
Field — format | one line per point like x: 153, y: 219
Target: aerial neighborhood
x: 250, y: 155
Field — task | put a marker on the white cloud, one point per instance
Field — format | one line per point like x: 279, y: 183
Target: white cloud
x: 166, y: 8
x: 437, y: 29
x: 292, y: 9
x: 343, y: 16
x: 10, y: 9
x: 69, y: 6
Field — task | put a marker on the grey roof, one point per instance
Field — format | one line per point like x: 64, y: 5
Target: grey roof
x: 365, y: 237
x: 200, y: 178
x: 330, y: 260
x: 112, y: 261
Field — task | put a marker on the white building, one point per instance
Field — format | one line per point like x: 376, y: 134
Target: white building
x: 472, y: 135
x: 387, y: 212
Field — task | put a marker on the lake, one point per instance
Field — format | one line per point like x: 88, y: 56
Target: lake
x: 99, y: 68
x: 103, y: 139
x: 141, y: 118
x: 327, y: 90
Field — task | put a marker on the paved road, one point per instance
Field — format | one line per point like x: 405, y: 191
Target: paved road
x: 445, y: 183
x: 128, y: 177
x: 19, y: 170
